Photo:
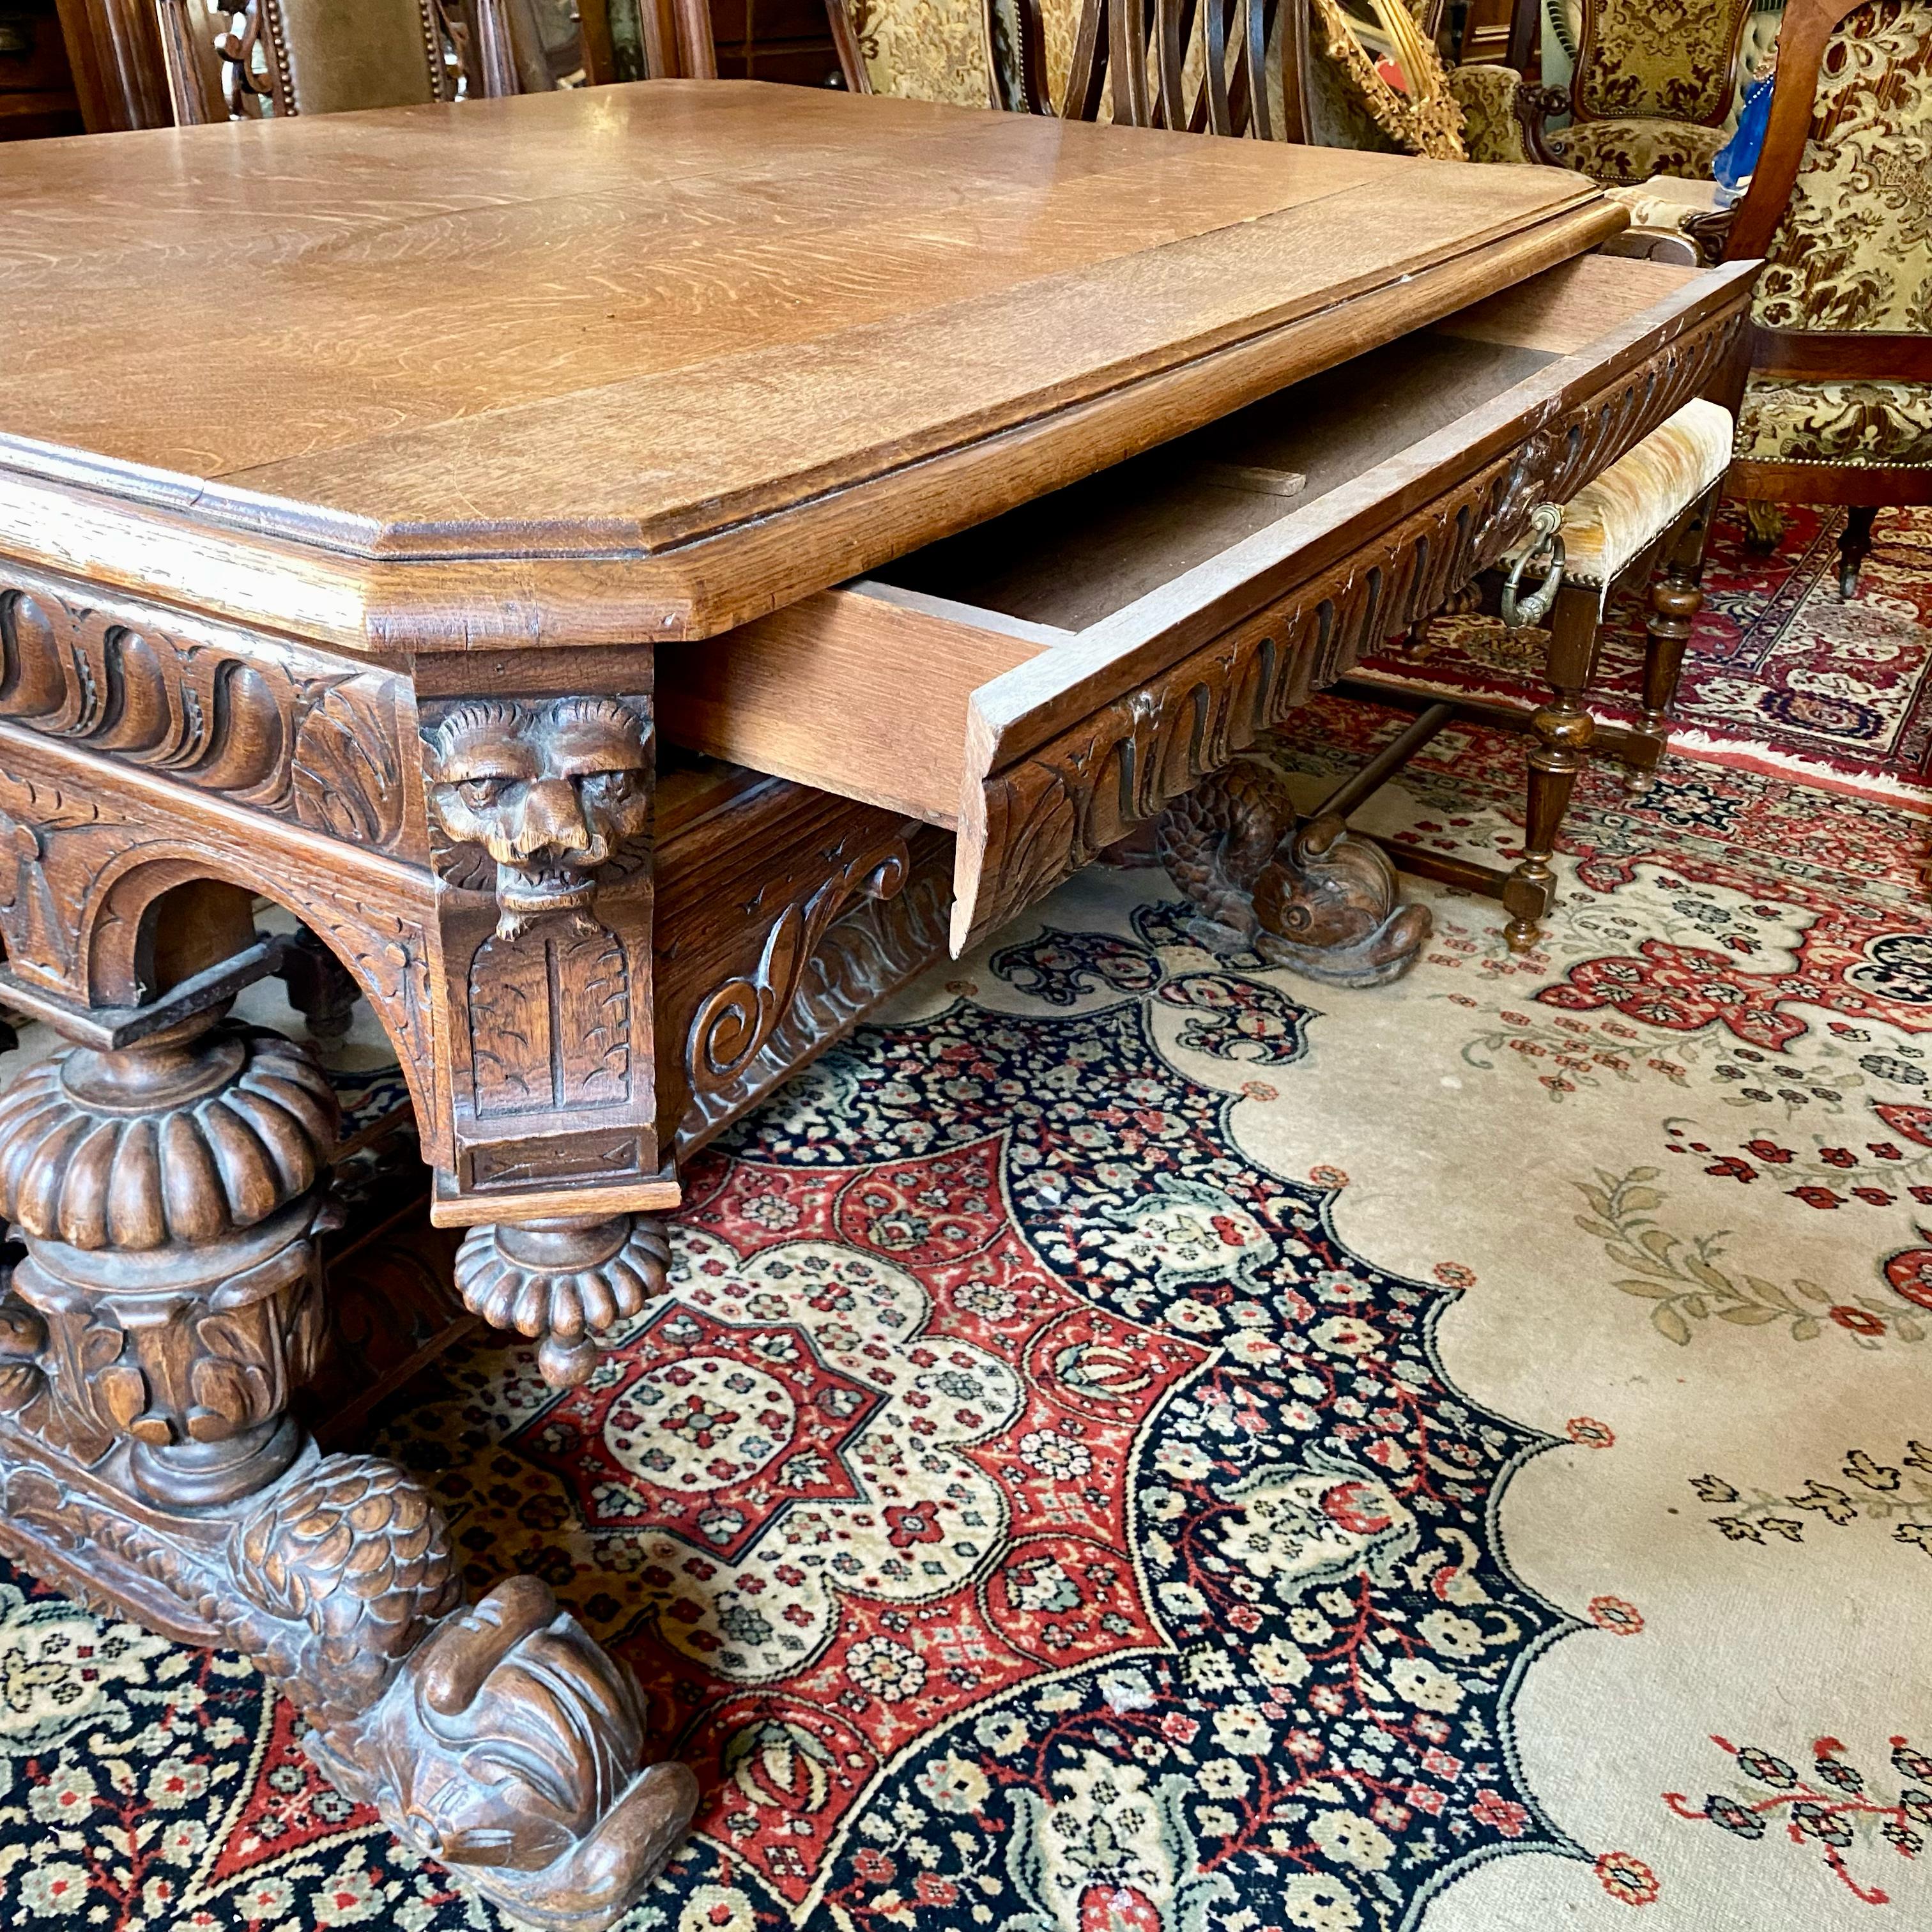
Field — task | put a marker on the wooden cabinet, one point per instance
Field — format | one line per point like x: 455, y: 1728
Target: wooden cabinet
x: 37, y: 93
x: 774, y: 40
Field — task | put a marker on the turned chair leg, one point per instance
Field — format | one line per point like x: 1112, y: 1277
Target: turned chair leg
x: 1676, y: 596
x: 1854, y: 547
x: 319, y: 987
x: 1564, y: 732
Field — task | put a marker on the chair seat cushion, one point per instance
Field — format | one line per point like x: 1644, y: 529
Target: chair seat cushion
x: 1876, y: 424
x: 1611, y: 522
x: 1665, y: 201
x: 1630, y: 152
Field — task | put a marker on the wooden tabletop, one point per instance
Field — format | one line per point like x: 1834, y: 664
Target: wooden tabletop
x: 649, y: 360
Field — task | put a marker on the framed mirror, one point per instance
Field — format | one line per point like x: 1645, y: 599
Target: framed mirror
x: 1379, y: 54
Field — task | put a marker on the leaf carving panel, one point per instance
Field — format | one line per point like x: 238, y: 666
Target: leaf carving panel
x: 263, y: 725
x: 540, y: 816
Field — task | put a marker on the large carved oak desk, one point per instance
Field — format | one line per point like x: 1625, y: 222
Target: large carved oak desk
x: 638, y: 574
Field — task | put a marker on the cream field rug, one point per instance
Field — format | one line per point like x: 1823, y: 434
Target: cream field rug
x: 1140, y: 1443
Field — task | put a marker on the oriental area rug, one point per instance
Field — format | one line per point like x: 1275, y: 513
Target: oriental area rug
x: 1142, y: 1443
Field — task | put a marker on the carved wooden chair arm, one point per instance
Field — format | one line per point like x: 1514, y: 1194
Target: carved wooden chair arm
x: 1534, y: 106
x: 845, y: 44
x: 1709, y: 233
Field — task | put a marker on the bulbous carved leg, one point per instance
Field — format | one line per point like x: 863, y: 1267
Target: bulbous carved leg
x: 1307, y: 894
x: 561, y: 1281
x: 168, y: 1194
x: 168, y: 1303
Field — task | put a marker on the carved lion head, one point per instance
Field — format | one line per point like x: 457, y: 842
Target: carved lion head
x: 549, y: 790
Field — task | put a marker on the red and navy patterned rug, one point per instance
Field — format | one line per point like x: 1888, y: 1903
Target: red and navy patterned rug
x: 1139, y: 1443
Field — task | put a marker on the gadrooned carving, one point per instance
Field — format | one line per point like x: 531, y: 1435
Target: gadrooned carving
x: 257, y: 727
x: 550, y: 790
x: 170, y: 1193
x: 560, y: 1282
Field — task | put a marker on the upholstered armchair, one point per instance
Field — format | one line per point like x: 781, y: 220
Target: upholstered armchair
x: 939, y: 50
x: 1837, y: 408
x: 1650, y: 92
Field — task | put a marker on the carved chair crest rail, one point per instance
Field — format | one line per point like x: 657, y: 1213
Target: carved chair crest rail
x: 619, y: 788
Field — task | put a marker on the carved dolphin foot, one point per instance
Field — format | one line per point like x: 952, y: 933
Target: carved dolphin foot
x: 560, y: 1281
x: 1307, y: 894
x: 499, y: 1739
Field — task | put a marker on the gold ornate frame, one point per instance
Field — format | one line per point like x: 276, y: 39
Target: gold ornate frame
x: 1430, y: 122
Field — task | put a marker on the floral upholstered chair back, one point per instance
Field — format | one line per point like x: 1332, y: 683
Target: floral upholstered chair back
x: 1653, y: 88
x: 922, y: 49
x: 1853, y: 252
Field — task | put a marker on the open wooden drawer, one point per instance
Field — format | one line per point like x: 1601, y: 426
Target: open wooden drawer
x: 1044, y: 682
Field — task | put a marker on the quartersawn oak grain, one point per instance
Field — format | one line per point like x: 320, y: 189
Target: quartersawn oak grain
x: 652, y: 354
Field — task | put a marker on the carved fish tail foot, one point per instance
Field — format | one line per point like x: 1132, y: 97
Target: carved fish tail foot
x: 561, y: 1281
x: 500, y: 1739
x: 1327, y: 906
x: 1307, y: 894
x: 1216, y: 840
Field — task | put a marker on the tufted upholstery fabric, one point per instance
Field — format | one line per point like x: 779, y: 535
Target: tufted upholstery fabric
x: 1865, y: 422
x: 1612, y: 520
x: 1491, y: 132
x: 926, y: 50
x: 1664, y: 201
x: 1628, y: 151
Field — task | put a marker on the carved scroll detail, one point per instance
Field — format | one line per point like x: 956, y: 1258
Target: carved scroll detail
x: 318, y: 747
x: 735, y: 1021
x: 873, y: 947
x: 1049, y: 814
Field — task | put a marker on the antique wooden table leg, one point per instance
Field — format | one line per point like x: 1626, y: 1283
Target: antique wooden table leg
x: 168, y: 1175
x: 169, y: 1192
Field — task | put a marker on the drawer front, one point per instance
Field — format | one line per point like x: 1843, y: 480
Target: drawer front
x: 1068, y: 738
